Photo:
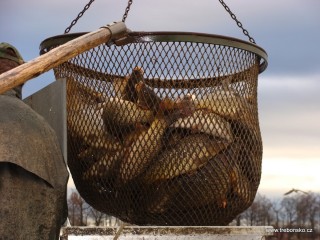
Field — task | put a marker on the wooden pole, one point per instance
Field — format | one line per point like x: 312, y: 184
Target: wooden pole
x: 59, y: 55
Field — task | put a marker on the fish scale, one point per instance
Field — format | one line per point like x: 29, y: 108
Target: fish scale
x: 186, y: 156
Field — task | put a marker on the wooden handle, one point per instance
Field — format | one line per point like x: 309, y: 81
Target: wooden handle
x: 59, y: 55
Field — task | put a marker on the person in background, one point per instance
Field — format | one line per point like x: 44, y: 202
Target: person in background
x: 33, y: 174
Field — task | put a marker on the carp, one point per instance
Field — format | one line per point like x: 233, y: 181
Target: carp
x: 226, y: 103
x: 120, y: 116
x: 147, y: 98
x: 125, y: 87
x: 103, y: 166
x: 84, y: 119
x: 146, y: 146
x: 206, y: 122
x: 188, y: 155
x: 148, y: 143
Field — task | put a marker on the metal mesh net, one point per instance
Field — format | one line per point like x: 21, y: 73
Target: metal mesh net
x: 163, y: 129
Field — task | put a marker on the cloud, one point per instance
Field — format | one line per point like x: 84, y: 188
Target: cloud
x: 282, y: 174
x: 290, y: 115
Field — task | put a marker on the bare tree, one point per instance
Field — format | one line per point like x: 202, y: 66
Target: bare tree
x: 276, y: 209
x: 72, y: 209
x: 260, y: 212
x: 307, y: 210
x: 250, y: 215
x: 265, y: 215
x: 96, y: 215
x: 289, y: 206
x: 77, y: 210
x: 299, y: 210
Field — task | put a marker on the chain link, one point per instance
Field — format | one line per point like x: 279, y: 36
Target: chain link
x: 79, y: 16
x: 125, y: 15
x: 233, y: 16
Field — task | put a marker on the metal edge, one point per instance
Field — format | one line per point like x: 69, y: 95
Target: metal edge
x: 136, y: 37
x: 57, y: 40
x: 204, y: 38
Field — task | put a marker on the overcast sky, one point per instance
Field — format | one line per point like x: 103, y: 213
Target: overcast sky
x: 289, y: 90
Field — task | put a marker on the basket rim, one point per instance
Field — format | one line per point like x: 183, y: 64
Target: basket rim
x: 161, y: 36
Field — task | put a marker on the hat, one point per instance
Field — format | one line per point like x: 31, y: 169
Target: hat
x: 8, y: 51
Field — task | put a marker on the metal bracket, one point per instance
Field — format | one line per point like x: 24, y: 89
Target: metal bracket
x: 118, y: 31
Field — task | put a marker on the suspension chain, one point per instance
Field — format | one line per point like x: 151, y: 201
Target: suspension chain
x: 79, y: 16
x: 125, y: 15
x: 233, y: 16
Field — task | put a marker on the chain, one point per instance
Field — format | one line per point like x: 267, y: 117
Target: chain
x: 233, y: 16
x: 79, y: 16
x: 125, y: 15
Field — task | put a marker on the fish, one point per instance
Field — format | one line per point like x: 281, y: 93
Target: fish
x: 84, y: 93
x: 241, y: 186
x: 209, y: 185
x: 125, y: 87
x: 148, y: 143
x: 120, y: 116
x: 184, y: 105
x: 147, y: 98
x: 226, y: 103
x: 188, y: 155
x: 118, y: 85
x: 84, y: 119
x: 85, y: 122
x: 206, y: 122
x: 173, y: 136
x: 160, y: 197
x: 133, y: 135
x: 146, y: 147
x: 103, y: 166
x: 250, y: 154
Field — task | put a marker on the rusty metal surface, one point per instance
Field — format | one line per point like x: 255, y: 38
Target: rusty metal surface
x: 163, y: 128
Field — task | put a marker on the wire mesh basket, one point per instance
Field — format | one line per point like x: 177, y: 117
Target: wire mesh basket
x: 163, y: 126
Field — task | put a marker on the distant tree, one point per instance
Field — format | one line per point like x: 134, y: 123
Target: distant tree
x: 77, y: 210
x: 302, y: 209
x: 307, y: 210
x: 250, y: 215
x: 260, y: 212
x: 265, y: 215
x: 72, y: 205
x: 96, y: 215
x: 289, y: 213
x: 276, y: 209
x: 297, y: 209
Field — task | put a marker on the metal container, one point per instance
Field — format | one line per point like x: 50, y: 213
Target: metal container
x: 163, y: 127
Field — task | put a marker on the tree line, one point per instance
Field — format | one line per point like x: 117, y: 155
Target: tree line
x: 298, y: 210
x: 80, y: 213
x: 295, y: 216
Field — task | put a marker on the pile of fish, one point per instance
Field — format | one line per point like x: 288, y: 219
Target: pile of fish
x: 180, y: 151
